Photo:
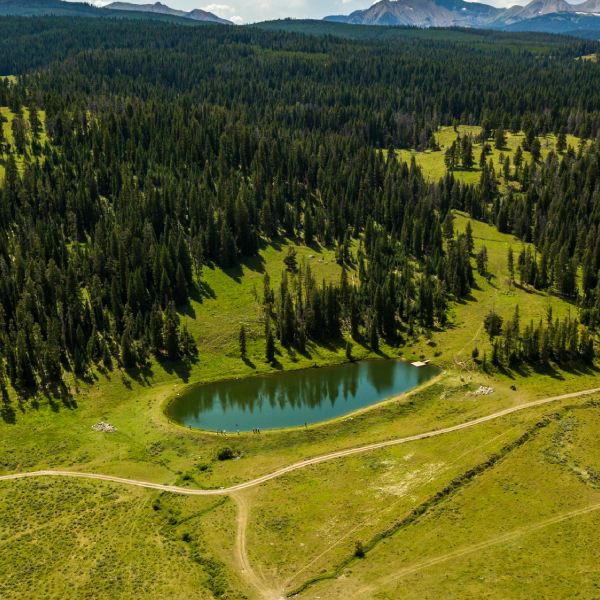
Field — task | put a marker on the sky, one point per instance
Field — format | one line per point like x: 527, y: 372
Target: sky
x: 249, y: 11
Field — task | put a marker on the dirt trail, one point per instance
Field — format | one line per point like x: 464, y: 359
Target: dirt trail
x: 304, y: 463
x: 264, y: 589
x: 369, y: 591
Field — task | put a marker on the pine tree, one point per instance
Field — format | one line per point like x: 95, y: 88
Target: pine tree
x: 469, y: 237
x: 511, y: 265
x: 187, y: 343
x: 536, y: 150
x: 290, y: 260
x: 156, y: 330
x: 485, y: 152
x: 482, y: 262
x: 561, y: 142
x: 180, y: 290
x: 349, y: 356
x: 500, y: 138
x: 128, y: 356
x: 493, y: 324
x: 171, y: 332
x: 228, y: 249
x: 269, y: 342
x: 309, y: 232
x: 3, y: 377
x: 468, y: 159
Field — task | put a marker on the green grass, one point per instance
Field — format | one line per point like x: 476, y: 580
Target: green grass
x: 149, y: 447
x: 466, y: 331
x: 107, y: 541
x: 309, y: 522
x: 434, y: 167
x: 504, y: 509
x: 8, y: 135
x: 63, y: 539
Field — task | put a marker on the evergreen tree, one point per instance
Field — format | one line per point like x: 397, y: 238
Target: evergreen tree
x: 500, y: 139
x: 561, y: 142
x: 269, y: 342
x: 171, y: 332
x: 469, y: 238
x: 128, y: 355
x: 511, y: 265
x: 482, y: 262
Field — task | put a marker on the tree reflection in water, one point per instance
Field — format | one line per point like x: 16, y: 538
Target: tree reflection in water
x: 296, y: 397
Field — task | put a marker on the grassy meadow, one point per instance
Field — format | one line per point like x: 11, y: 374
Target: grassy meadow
x: 77, y: 539
x: 526, y: 527
x: 432, y: 161
x: 64, y: 539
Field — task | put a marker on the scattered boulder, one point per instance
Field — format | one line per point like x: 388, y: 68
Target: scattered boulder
x: 484, y: 391
x: 104, y: 427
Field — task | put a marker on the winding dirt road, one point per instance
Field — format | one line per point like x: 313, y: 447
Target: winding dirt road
x: 303, y: 463
x: 265, y: 589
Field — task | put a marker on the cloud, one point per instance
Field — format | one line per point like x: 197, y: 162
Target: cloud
x: 220, y: 9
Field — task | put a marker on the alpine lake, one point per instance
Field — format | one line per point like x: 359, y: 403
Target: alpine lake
x: 295, y: 398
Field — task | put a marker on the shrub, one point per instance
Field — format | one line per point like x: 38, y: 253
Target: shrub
x: 226, y: 453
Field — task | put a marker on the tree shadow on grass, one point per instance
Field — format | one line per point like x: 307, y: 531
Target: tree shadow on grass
x: 249, y: 363
x: 468, y: 299
x: 276, y: 363
x: 142, y: 375
x: 530, y: 290
x: 7, y: 410
x: 315, y: 247
x: 549, y: 369
x: 476, y: 287
x: 254, y: 263
x: 581, y: 368
x: 56, y: 394
x: 187, y: 311
x: 62, y: 391
x: 181, y: 368
x: 200, y: 292
x: 236, y: 273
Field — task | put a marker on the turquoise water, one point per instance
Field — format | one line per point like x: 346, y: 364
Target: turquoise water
x: 294, y: 398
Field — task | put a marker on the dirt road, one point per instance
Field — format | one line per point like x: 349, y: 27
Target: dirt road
x: 303, y: 463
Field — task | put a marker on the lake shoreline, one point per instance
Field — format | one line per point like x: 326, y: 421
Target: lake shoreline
x: 338, y: 392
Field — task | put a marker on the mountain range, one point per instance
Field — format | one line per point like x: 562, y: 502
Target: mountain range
x: 458, y: 13
x: 29, y: 8
x: 159, y: 8
x: 550, y: 16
